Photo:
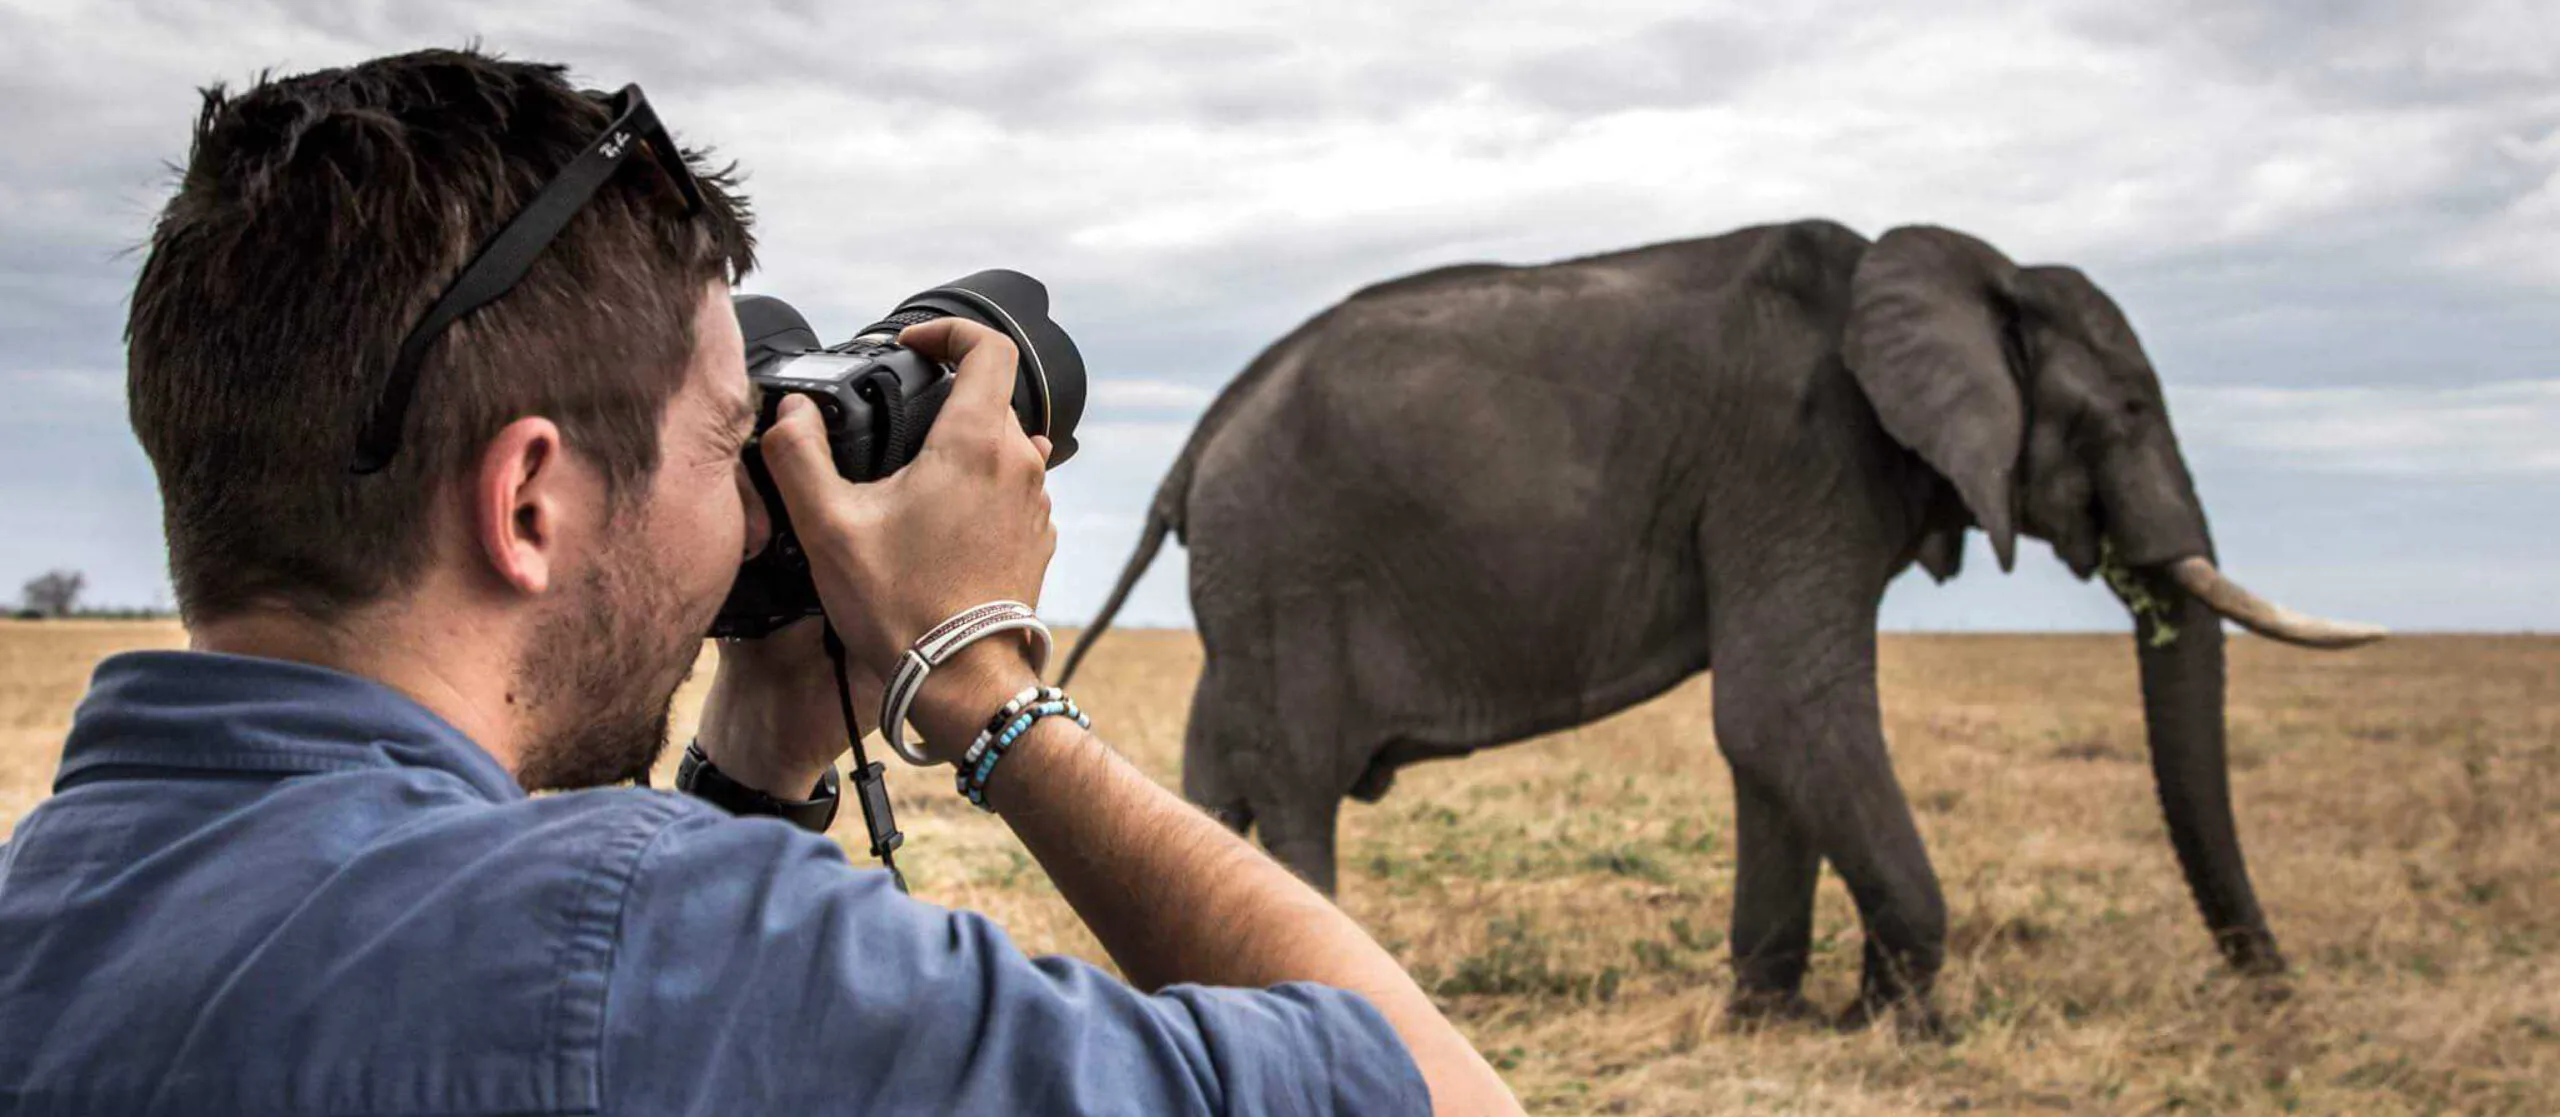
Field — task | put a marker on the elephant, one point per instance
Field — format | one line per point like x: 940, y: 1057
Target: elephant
x: 1486, y: 502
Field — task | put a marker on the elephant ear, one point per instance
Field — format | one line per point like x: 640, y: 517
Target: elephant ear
x: 1929, y: 310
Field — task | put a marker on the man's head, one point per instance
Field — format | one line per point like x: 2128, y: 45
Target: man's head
x: 570, y: 458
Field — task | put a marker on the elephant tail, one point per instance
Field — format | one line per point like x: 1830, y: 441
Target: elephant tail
x: 1160, y: 522
x: 1164, y: 516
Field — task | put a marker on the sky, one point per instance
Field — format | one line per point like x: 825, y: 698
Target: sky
x: 2335, y: 225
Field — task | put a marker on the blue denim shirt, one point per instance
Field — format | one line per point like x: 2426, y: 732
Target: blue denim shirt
x: 264, y: 887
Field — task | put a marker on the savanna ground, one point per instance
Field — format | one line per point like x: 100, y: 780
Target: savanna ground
x: 1565, y: 898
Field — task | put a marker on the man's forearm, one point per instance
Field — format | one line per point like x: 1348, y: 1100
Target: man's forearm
x: 1175, y: 897
x: 1155, y: 879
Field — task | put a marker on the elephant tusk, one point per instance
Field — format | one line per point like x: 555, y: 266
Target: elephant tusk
x: 2266, y: 618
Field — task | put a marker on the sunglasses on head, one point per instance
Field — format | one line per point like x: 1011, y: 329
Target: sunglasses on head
x: 503, y: 260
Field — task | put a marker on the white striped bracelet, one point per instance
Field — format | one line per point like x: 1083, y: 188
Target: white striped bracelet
x: 937, y: 646
x: 1019, y: 714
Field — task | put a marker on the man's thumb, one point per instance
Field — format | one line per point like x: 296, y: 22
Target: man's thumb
x: 796, y: 453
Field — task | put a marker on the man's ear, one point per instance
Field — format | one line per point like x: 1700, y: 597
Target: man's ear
x: 520, y: 500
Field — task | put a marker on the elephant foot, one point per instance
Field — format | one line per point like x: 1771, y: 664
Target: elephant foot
x: 2270, y: 990
x: 2252, y: 952
x: 1914, y: 1016
x: 1752, y: 1010
x: 1897, y: 984
x: 2263, y: 986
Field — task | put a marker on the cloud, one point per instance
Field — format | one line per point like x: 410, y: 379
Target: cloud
x: 2336, y: 225
x: 1125, y: 394
x: 56, y: 396
x: 2509, y: 429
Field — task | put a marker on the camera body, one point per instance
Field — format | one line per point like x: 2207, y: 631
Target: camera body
x: 878, y: 400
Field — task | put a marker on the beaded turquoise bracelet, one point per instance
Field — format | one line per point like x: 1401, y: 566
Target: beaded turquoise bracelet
x: 1008, y: 725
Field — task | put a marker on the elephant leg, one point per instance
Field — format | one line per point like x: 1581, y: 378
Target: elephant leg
x: 1297, y: 789
x: 1266, y: 747
x: 1212, y: 793
x: 1236, y: 767
x: 1875, y: 845
x: 1299, y: 831
x: 1772, y: 910
x: 1796, y: 715
x: 1213, y: 747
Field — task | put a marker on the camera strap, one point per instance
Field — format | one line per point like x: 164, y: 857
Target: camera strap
x: 869, y: 779
x: 904, y: 420
x: 897, y: 424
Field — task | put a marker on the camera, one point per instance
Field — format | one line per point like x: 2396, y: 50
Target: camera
x: 878, y: 399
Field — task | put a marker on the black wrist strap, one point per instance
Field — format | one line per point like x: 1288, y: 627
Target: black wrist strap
x: 696, y: 775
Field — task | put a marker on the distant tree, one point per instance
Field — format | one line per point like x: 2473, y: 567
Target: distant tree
x: 53, y: 593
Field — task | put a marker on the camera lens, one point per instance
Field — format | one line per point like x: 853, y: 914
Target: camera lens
x: 1049, y: 392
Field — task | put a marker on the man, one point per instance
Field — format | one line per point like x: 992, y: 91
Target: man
x: 296, y: 868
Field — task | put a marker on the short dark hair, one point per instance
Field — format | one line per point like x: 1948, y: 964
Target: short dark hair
x: 317, y: 218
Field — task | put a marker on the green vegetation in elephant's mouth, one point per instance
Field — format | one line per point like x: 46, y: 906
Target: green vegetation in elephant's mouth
x: 2135, y: 591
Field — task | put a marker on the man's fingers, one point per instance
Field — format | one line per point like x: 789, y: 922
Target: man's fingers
x: 796, y: 453
x: 984, y: 365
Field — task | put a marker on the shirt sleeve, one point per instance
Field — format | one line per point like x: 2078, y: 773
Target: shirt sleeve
x: 757, y: 971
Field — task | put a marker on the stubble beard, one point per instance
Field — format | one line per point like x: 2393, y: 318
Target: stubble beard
x: 602, y: 671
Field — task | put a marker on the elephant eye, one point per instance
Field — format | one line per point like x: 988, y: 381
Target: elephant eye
x: 2136, y: 407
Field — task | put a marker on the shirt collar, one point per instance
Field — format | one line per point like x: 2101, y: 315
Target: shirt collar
x: 232, y: 713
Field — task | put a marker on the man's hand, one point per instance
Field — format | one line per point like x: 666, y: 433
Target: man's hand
x: 965, y: 523
x: 772, y: 720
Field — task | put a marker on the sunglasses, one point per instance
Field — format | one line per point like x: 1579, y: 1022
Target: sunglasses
x: 502, y: 262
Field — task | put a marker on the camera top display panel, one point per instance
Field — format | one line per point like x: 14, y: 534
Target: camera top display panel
x: 822, y: 370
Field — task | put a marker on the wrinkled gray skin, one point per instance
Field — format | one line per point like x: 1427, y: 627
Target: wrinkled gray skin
x: 1486, y: 502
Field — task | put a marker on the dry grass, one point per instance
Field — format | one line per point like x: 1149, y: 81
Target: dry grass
x: 1566, y: 897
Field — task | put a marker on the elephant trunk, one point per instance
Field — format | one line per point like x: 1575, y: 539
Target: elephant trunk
x: 2179, y: 639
